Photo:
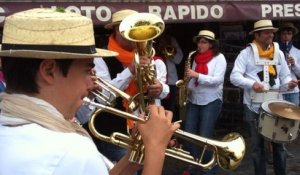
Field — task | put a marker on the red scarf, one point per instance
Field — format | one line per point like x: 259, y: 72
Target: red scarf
x: 201, y: 60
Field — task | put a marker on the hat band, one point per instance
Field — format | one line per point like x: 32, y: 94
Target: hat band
x: 54, y: 48
x: 208, y: 36
x: 262, y: 27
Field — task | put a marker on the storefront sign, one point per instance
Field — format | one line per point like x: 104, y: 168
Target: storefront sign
x: 175, y: 12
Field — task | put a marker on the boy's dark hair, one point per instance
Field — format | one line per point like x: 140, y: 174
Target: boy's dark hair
x: 20, y: 73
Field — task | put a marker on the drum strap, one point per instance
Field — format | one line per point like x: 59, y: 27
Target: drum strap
x: 265, y: 62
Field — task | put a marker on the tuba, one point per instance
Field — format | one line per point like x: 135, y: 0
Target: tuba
x: 183, y: 84
x: 227, y: 153
x: 142, y: 28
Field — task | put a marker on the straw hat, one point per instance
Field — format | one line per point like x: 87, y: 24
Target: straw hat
x: 49, y: 33
x: 205, y: 34
x: 263, y: 25
x: 289, y: 26
x: 118, y: 17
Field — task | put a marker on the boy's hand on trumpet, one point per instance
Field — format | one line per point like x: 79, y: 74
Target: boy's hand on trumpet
x: 156, y: 133
x: 95, y: 87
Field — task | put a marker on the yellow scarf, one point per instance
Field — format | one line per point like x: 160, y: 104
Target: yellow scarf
x: 269, y: 54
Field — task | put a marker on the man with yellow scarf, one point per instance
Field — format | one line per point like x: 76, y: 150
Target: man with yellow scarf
x: 120, y: 72
x: 251, y: 74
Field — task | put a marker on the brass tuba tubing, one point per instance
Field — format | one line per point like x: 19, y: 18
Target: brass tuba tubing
x: 227, y: 153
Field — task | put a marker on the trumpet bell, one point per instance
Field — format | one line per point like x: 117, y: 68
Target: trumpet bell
x: 141, y: 27
x: 231, y: 154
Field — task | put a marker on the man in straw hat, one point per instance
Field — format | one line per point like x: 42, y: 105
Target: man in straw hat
x: 120, y: 72
x: 47, y: 68
x: 259, y: 67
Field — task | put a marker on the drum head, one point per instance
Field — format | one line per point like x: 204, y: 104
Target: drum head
x: 286, y: 110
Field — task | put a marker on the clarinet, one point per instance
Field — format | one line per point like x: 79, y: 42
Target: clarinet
x: 287, y: 53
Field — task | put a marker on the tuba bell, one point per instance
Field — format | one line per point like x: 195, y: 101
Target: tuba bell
x: 142, y: 28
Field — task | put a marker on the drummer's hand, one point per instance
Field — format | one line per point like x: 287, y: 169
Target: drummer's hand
x: 257, y: 87
x: 158, y: 130
x: 292, y: 84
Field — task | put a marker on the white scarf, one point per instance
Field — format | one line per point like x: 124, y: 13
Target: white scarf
x: 20, y: 109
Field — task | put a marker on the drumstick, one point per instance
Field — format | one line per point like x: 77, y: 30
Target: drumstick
x: 288, y: 83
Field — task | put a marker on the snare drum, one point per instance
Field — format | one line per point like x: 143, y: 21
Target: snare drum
x: 279, y: 121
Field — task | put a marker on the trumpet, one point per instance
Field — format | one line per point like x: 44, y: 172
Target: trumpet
x: 227, y: 153
x: 113, y: 92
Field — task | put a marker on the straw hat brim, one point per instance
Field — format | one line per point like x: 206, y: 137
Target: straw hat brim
x: 196, y: 38
x: 264, y: 28
x: 55, y: 55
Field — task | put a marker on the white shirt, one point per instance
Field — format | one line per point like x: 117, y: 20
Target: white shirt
x: 210, y: 86
x: 161, y: 71
x: 31, y: 149
x: 295, y: 69
x: 123, y: 78
x: 244, y: 74
x: 171, y: 63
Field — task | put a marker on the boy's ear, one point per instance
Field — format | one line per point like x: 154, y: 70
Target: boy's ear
x: 47, y: 70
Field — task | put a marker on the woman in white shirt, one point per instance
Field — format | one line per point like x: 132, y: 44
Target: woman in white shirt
x: 205, y: 88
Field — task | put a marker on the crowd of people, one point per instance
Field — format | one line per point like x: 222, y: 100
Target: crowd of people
x: 48, y: 69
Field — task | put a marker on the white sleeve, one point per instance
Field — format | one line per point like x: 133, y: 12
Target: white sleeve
x: 285, y: 73
x: 296, y: 67
x: 122, y: 79
x: 237, y: 77
x: 217, y: 77
x: 161, y: 71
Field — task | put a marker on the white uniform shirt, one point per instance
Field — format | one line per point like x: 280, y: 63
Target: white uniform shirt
x: 31, y: 149
x: 123, y: 78
x: 244, y: 75
x: 295, y: 53
x: 210, y: 86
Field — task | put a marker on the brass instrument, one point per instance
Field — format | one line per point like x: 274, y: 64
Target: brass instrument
x: 228, y: 153
x: 183, y: 84
x: 169, y: 51
x: 112, y: 92
x: 142, y: 28
x: 287, y: 54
